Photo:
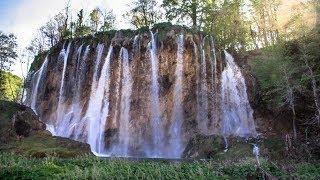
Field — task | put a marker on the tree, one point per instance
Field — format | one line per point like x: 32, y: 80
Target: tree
x: 95, y: 19
x: 288, y: 88
x: 54, y: 30
x: 264, y: 18
x: 182, y: 10
x: 80, y: 28
x: 143, y: 13
x: 10, y: 86
x: 317, y: 7
x: 7, y: 56
x: 101, y: 20
x: 7, y: 51
x: 279, y: 78
x: 309, y: 59
x: 226, y: 22
x: 108, y: 21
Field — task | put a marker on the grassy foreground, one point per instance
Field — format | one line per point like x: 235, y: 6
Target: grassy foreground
x: 90, y: 167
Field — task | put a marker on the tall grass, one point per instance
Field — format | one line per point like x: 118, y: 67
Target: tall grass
x: 89, y: 167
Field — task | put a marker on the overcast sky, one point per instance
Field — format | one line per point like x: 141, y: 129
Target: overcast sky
x: 24, y: 17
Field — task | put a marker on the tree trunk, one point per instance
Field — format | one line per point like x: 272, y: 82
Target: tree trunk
x: 294, y: 127
x: 194, y: 13
x: 314, y: 85
x: 315, y: 91
x: 318, y: 14
x: 145, y: 18
x: 290, y: 98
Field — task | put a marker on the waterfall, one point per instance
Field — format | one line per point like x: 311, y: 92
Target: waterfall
x: 214, y: 92
x: 170, y: 103
x: 202, y: 95
x: 124, y: 121
x: 237, y: 114
x: 64, y: 54
x: 98, y: 109
x: 40, y: 74
x: 76, y: 107
x: 177, y: 112
x: 157, y: 129
x: 215, y: 63
x: 81, y: 126
x: 67, y: 122
x: 135, y: 42
x: 256, y: 153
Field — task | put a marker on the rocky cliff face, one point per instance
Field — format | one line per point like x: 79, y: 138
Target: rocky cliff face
x: 142, y: 94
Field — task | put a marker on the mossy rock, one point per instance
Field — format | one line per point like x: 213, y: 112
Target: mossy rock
x: 202, y: 146
x: 22, y: 133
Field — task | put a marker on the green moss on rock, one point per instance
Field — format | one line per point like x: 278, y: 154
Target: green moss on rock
x: 31, y: 139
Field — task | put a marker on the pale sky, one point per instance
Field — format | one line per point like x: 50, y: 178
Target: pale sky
x: 24, y: 17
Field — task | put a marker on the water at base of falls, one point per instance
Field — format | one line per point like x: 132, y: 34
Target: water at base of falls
x: 109, y: 111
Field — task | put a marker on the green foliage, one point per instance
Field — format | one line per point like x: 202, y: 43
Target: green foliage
x: 82, y: 31
x: 307, y: 171
x: 287, y: 59
x: 89, y: 167
x: 101, y: 20
x: 185, y: 11
x: 7, y: 109
x: 143, y: 13
x: 8, y: 53
x: 108, y: 21
x: 10, y: 86
x: 227, y: 23
x: 37, y: 61
x: 272, y: 67
x: 41, y: 144
x: 95, y: 16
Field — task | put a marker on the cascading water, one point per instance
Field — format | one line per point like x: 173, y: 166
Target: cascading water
x: 157, y: 130
x: 82, y: 124
x: 175, y: 142
x: 76, y: 107
x: 237, y: 114
x: 63, y: 127
x: 124, y: 120
x: 213, y: 63
x: 135, y: 42
x: 256, y: 153
x: 202, y: 99
x: 98, y: 109
x: 68, y: 122
x: 39, y: 74
x: 64, y: 54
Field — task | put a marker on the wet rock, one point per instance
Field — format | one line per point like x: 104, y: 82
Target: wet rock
x: 110, y: 137
x: 165, y: 84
